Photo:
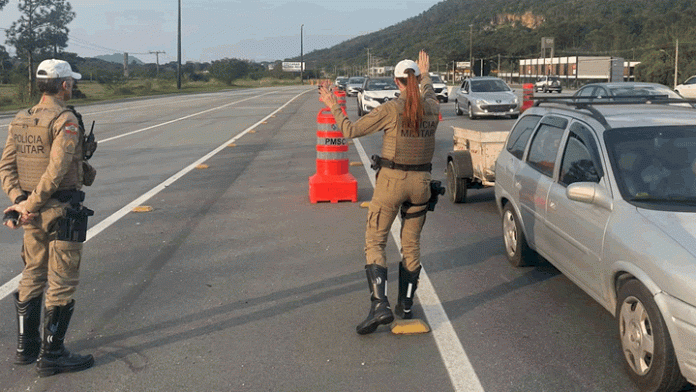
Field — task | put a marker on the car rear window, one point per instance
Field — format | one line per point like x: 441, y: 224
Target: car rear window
x: 519, y: 136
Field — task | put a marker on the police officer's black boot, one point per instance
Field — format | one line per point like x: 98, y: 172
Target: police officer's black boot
x: 28, y: 329
x: 408, y: 282
x: 53, y: 357
x: 380, y: 312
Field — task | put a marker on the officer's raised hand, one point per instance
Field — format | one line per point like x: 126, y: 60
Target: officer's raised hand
x: 423, y: 62
x: 326, y: 96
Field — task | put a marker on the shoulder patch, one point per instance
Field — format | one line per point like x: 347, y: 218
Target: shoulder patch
x: 71, y: 128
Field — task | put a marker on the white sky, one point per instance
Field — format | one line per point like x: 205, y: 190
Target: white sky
x: 216, y: 29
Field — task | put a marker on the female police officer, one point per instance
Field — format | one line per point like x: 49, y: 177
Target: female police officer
x: 403, y: 182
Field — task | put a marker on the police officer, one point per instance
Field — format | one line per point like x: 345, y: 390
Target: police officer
x: 403, y: 182
x: 42, y: 171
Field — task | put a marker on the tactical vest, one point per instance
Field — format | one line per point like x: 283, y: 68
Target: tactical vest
x: 33, y: 137
x: 407, y: 146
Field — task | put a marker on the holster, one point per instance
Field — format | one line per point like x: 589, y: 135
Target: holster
x: 436, y: 189
x: 73, y: 227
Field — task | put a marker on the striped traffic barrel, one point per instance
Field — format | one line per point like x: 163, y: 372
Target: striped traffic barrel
x: 341, y: 98
x: 332, y: 181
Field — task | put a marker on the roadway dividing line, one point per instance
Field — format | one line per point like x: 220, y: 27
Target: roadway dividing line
x: 456, y: 361
x: 11, y: 286
x: 187, y: 117
x: 234, y: 93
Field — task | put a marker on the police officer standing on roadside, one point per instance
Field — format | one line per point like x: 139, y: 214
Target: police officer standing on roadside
x: 403, y: 182
x: 42, y: 170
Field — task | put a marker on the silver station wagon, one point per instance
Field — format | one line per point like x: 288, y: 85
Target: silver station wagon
x: 607, y: 194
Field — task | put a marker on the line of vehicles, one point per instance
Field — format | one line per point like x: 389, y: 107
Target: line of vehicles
x: 601, y: 184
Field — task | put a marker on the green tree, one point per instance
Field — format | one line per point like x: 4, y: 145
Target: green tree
x: 41, y: 27
x: 228, y: 70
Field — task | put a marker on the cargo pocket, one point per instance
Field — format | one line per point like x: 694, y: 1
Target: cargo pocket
x: 67, y: 256
x: 373, y: 217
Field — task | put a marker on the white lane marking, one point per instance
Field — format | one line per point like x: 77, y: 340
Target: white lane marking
x: 183, y: 118
x: 456, y: 361
x: 11, y: 286
x: 207, y: 96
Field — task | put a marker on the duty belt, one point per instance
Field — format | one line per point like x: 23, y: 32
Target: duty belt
x: 379, y: 162
x: 73, y: 196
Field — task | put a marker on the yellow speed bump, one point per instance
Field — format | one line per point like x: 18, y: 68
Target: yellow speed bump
x: 142, y: 209
x: 356, y: 163
x: 409, y: 327
x: 202, y: 166
x: 365, y: 204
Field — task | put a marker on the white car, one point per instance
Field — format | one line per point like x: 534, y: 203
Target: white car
x: 688, y: 88
x: 354, y: 85
x: 440, y: 88
x: 376, y: 91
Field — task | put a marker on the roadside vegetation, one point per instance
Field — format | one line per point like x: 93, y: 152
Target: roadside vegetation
x: 42, y: 33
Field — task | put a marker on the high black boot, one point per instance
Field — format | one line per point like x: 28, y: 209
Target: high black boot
x: 380, y: 312
x: 408, y: 282
x: 53, y: 357
x: 28, y: 329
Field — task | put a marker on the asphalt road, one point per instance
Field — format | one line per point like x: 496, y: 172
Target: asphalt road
x: 236, y: 282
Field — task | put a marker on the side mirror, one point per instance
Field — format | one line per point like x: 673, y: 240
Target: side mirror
x: 590, y: 193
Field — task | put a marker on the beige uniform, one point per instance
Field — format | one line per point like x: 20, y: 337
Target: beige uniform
x: 404, y: 146
x: 43, y: 154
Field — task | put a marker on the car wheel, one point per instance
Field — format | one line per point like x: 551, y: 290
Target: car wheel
x: 445, y: 100
x: 360, y: 110
x: 471, y: 113
x: 514, y: 116
x: 645, y: 341
x: 457, y: 109
x: 455, y: 186
x: 546, y: 90
x: 518, y: 252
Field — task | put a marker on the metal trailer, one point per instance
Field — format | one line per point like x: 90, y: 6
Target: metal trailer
x: 472, y: 163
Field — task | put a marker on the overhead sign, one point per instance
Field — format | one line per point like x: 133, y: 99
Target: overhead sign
x: 463, y: 64
x: 289, y: 66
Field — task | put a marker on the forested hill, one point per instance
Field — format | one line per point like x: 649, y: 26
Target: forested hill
x: 513, y: 28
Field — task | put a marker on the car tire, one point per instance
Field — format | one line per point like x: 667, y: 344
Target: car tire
x: 514, y: 116
x: 458, y: 110
x: 643, y: 334
x: 518, y: 252
x: 471, y: 112
x: 445, y: 100
x: 456, y: 187
x: 360, y: 110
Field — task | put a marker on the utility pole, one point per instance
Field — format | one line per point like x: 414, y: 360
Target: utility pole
x: 676, y: 63
x: 178, y: 56
x: 368, y: 62
x: 301, y: 55
x: 157, y: 53
x: 471, y: 48
x: 125, y: 64
x: 498, y: 64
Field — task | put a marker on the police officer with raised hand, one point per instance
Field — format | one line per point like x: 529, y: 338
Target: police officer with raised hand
x: 403, y: 182
x: 42, y: 170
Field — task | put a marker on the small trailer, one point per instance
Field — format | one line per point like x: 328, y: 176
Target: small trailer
x: 472, y: 163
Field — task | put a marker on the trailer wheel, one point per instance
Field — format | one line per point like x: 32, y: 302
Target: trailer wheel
x: 455, y: 186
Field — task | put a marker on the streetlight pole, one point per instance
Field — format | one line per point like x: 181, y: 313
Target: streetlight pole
x: 301, y: 55
x: 471, y: 48
x: 178, y: 56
